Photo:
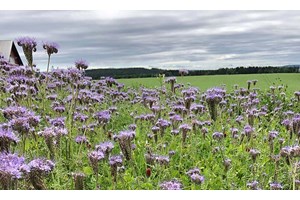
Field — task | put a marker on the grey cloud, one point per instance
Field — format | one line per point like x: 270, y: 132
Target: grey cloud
x: 194, y: 39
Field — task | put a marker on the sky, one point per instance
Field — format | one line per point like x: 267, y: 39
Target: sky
x: 163, y: 39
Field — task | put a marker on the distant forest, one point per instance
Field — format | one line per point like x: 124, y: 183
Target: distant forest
x: 153, y: 72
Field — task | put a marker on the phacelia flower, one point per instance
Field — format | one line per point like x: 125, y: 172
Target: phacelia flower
x: 105, y: 147
x: 7, y: 137
x: 81, y: 64
x: 10, y: 168
x: 37, y: 169
x: 50, y: 47
x: 185, y: 128
x: 171, y: 185
x: 95, y: 157
x: 125, y: 138
x: 29, y: 46
x: 253, y: 185
x: 115, y: 162
x: 276, y: 186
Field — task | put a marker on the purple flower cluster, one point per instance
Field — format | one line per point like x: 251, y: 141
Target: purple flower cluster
x: 115, y: 162
x: 29, y: 46
x: 124, y: 138
x: 185, y: 128
x: 7, y: 137
x: 103, y: 117
x: 162, y: 124
x: 40, y: 166
x: 94, y: 158
x: 11, y: 166
x: 36, y: 170
x: 81, y: 139
x: 218, y: 136
x: 81, y: 64
x: 213, y: 98
x: 183, y: 72
x: 50, y: 47
x: 105, y: 147
x: 21, y: 120
x: 254, y: 185
x: 172, y: 81
x: 171, y: 185
x: 254, y: 153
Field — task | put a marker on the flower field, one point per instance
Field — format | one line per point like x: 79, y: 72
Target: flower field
x: 59, y: 130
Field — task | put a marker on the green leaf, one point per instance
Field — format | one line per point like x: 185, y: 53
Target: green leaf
x: 88, y: 170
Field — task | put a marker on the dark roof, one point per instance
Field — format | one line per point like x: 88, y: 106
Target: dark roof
x: 7, y: 47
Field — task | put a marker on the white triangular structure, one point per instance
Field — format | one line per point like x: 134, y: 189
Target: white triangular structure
x: 9, y: 51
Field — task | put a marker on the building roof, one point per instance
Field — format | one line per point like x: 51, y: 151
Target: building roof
x: 6, y: 49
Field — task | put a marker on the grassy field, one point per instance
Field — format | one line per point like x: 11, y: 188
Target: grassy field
x: 205, y: 82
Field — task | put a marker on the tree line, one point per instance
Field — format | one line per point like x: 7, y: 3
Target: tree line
x: 153, y: 72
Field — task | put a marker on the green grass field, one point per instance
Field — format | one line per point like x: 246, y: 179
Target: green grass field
x: 204, y: 82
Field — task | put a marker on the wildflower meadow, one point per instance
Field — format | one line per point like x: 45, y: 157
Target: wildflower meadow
x: 61, y: 130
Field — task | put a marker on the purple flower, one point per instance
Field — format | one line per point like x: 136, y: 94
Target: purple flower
x: 248, y: 130
x: 58, y: 122
x: 234, y: 132
x: 36, y: 169
x: 14, y: 112
x: 213, y: 98
x: 6, y: 138
x: 126, y: 135
x: 29, y: 46
x: 214, y: 95
x: 94, y: 158
x: 276, y: 186
x: 155, y: 129
x: 185, y: 127
x: 103, y: 117
x: 81, y: 64
x: 193, y: 171
x: 132, y: 127
x: 171, y: 185
x: 162, y: 124
x: 41, y: 166
x: 239, y: 119
x: 171, y: 79
x: 80, y: 117
x: 227, y: 163
x: 253, y: 185
x: 286, y: 123
x: 10, y: 166
x: 48, y: 132
x: 218, y: 136
x: 162, y: 160
x: 27, y: 42
x: 285, y: 151
x: 172, y: 153
x: 197, y: 178
x: 272, y: 135
x: 125, y: 138
x: 183, y: 72
x: 115, y: 160
x: 50, y: 47
x: 174, y: 131
x: 96, y: 155
x: 105, y: 147
x: 81, y: 139
x: 254, y: 153
x: 20, y: 124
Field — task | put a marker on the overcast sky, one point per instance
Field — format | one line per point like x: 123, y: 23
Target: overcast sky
x: 165, y: 39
